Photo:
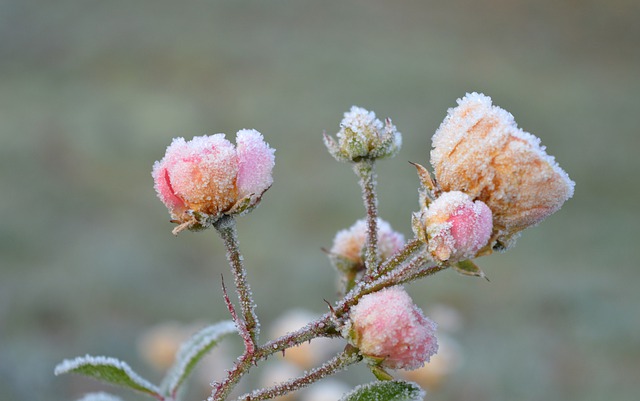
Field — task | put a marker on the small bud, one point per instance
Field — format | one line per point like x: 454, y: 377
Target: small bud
x: 479, y: 150
x: 201, y: 179
x: 363, y: 136
x: 350, y: 244
x: 457, y: 228
x: 390, y: 329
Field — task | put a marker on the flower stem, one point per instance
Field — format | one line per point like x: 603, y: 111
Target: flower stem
x: 347, y: 357
x: 365, y: 171
x: 249, y: 327
x: 321, y: 327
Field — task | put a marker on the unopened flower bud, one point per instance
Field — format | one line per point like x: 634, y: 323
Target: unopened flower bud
x: 457, y: 227
x: 207, y: 176
x: 350, y: 244
x: 363, y: 136
x: 479, y: 150
x: 390, y: 329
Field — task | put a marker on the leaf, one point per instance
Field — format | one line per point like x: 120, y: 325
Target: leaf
x: 108, y: 370
x: 192, y: 351
x: 395, y: 390
x: 100, y: 397
x: 469, y: 268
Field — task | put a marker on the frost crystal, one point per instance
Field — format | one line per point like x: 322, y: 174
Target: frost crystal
x: 479, y: 150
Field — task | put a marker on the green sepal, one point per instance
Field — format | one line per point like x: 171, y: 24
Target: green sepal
x: 425, y: 178
x: 469, y: 268
x: 241, y: 206
x: 109, y: 370
x: 380, y: 373
x: 334, y: 148
x: 417, y: 227
x: 395, y: 390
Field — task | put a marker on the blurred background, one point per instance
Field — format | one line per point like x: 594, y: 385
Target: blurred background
x: 91, y: 93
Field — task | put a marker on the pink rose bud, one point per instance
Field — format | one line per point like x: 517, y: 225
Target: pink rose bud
x: 390, y: 329
x: 209, y: 176
x: 457, y: 227
x: 350, y: 243
x: 479, y: 150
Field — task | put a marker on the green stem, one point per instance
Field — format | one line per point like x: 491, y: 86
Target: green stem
x: 365, y: 171
x: 226, y: 227
x: 322, y: 327
x: 341, y: 361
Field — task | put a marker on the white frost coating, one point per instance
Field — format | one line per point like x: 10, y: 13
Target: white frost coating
x: 70, y: 365
x: 100, y: 397
x: 385, y: 391
x: 360, y: 121
x: 190, y: 350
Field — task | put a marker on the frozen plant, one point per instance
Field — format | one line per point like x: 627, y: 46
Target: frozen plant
x: 491, y: 180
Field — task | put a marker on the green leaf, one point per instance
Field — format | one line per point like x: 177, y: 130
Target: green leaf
x: 108, y: 370
x: 396, y: 390
x: 469, y: 268
x: 100, y: 397
x: 192, y: 351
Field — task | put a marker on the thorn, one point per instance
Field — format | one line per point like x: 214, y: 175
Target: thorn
x: 330, y: 307
x: 283, y: 352
x: 227, y: 301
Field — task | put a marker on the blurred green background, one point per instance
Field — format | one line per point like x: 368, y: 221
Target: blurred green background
x: 92, y: 92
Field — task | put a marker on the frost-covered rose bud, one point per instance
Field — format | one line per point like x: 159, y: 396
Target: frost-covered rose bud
x: 390, y: 329
x: 479, y: 150
x: 456, y: 227
x: 208, y: 176
x: 350, y: 244
x: 363, y: 136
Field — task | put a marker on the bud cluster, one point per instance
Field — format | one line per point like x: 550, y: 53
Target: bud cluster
x: 479, y: 150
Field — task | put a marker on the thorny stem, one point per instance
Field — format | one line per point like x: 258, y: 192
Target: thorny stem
x: 347, y: 357
x: 401, y: 256
x: 365, y: 171
x: 399, y: 269
x: 250, y: 326
x: 322, y: 327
